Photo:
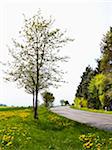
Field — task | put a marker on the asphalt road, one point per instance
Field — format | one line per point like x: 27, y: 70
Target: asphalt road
x: 98, y: 120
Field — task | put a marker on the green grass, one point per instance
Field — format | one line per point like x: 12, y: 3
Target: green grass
x: 93, y: 110
x: 19, y: 131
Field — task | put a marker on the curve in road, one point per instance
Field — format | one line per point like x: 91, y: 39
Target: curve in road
x: 99, y: 120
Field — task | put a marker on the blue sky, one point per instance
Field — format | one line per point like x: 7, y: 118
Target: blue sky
x: 86, y: 21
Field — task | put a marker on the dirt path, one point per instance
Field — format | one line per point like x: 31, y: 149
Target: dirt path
x: 99, y: 120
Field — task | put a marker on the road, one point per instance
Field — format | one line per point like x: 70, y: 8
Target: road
x: 98, y: 120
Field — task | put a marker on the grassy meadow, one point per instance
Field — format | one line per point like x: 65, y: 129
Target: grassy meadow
x: 19, y: 131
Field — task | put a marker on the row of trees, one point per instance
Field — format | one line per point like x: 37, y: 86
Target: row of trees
x: 64, y: 102
x: 35, y: 57
x: 95, y: 88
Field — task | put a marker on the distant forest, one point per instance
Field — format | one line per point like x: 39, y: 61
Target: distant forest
x: 3, y: 105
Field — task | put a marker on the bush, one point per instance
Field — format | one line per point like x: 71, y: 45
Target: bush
x: 80, y: 102
x: 94, y: 103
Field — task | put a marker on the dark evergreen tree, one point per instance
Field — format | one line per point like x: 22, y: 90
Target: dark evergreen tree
x: 98, y: 69
x: 82, y: 90
x: 106, y: 50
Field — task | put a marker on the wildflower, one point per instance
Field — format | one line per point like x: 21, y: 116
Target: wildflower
x: 98, y: 146
x: 9, y: 143
x: 28, y: 138
x: 82, y: 137
x: 88, y: 145
x: 6, y: 138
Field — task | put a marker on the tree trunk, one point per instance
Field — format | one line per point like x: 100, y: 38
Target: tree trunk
x: 33, y: 99
x: 46, y: 104
x: 36, y: 105
x: 37, y: 89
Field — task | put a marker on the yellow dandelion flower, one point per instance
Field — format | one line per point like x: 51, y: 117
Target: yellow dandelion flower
x: 9, y: 143
x: 88, y: 145
x: 82, y: 137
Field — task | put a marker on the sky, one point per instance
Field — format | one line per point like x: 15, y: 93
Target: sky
x: 85, y: 20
